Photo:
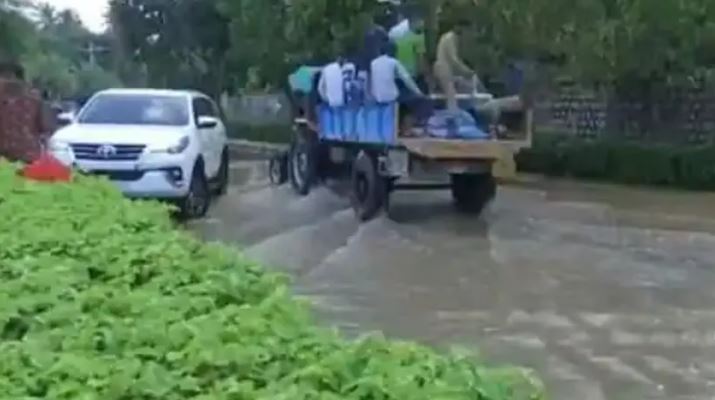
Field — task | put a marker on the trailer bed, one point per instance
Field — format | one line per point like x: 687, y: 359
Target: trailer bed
x: 454, y: 149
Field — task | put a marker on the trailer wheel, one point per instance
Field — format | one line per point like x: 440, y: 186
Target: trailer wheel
x: 302, y: 164
x: 278, y: 169
x: 473, y: 192
x: 369, y: 189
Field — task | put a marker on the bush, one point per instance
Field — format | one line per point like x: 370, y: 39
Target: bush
x: 261, y: 133
x: 587, y: 160
x: 696, y: 168
x: 639, y: 164
x: 102, y: 298
x: 620, y: 161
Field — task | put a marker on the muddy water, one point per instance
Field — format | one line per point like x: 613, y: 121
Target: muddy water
x: 607, y: 292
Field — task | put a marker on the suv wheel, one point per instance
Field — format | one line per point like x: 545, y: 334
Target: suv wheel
x: 197, y: 201
x: 222, y: 178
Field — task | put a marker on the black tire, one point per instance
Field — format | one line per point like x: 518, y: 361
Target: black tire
x: 222, y: 179
x: 368, y: 189
x: 278, y: 169
x: 389, y: 188
x: 302, y: 164
x: 197, y: 201
x: 473, y: 192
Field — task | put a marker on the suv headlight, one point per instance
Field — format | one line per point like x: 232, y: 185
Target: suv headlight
x: 58, y: 146
x: 178, y: 148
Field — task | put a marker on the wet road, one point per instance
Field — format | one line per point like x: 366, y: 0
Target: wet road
x: 607, y: 293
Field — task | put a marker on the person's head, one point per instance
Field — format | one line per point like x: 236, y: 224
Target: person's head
x: 379, y: 20
x: 461, y: 25
x: 417, y: 25
x: 388, y: 49
x: 11, y: 70
x: 345, y: 53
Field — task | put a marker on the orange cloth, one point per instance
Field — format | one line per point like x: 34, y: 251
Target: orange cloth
x: 47, y: 169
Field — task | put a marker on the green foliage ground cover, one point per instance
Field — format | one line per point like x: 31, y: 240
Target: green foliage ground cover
x: 689, y: 167
x: 103, y: 298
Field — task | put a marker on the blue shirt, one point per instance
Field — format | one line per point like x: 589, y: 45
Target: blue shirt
x: 302, y: 79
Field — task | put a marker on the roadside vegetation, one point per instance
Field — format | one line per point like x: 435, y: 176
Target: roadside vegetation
x: 608, y: 160
x: 273, y: 133
x: 253, y: 44
x: 103, y: 298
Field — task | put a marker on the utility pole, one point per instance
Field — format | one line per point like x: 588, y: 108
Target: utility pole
x: 92, y: 50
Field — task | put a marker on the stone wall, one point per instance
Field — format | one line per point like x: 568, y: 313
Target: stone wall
x: 684, y: 116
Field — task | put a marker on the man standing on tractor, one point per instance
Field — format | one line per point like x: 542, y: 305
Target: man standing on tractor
x: 451, y: 72
x: 25, y: 122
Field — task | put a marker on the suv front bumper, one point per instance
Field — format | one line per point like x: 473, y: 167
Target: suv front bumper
x: 165, y: 177
x: 156, y: 183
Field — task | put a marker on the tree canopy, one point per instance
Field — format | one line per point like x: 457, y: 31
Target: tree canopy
x: 600, y: 41
x: 53, y: 47
x: 215, y: 45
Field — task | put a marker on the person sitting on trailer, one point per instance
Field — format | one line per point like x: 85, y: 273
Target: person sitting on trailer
x: 412, y: 53
x: 401, y: 29
x: 332, y: 83
x: 301, y: 91
x: 390, y: 82
x: 374, y: 39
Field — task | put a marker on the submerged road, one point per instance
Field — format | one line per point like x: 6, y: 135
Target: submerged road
x: 607, y: 292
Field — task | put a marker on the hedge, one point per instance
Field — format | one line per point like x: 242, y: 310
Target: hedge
x: 277, y: 133
x: 103, y: 298
x: 621, y: 162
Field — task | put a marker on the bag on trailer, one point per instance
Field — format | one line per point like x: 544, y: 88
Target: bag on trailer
x: 466, y: 126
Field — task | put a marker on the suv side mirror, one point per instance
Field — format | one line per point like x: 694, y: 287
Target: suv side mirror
x: 66, y: 118
x: 207, y: 122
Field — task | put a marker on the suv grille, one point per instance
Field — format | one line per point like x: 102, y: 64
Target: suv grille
x: 107, y: 152
x: 125, y: 176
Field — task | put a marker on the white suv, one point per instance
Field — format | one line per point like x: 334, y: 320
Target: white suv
x: 160, y: 144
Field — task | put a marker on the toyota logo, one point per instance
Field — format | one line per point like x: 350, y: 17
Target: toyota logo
x: 106, y: 151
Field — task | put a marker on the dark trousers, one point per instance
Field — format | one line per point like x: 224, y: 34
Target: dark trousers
x: 420, y: 108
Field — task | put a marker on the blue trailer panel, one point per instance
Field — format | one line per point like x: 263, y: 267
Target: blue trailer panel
x: 369, y: 124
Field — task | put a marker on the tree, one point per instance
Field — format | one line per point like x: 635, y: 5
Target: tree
x: 52, y: 48
x: 182, y: 43
x: 15, y: 29
x: 602, y: 42
x: 91, y: 78
x: 270, y: 37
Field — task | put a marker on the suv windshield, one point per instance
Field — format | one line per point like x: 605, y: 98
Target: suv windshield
x: 136, y: 110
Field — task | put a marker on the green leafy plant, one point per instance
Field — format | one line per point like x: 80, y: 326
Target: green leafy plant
x: 103, y: 298
x: 621, y: 161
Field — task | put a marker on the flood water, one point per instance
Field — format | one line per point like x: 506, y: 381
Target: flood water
x: 607, y: 292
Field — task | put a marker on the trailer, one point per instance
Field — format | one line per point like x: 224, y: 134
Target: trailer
x: 365, y: 144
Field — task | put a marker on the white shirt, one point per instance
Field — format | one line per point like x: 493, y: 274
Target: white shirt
x: 384, y: 72
x: 400, y: 30
x: 332, y: 83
